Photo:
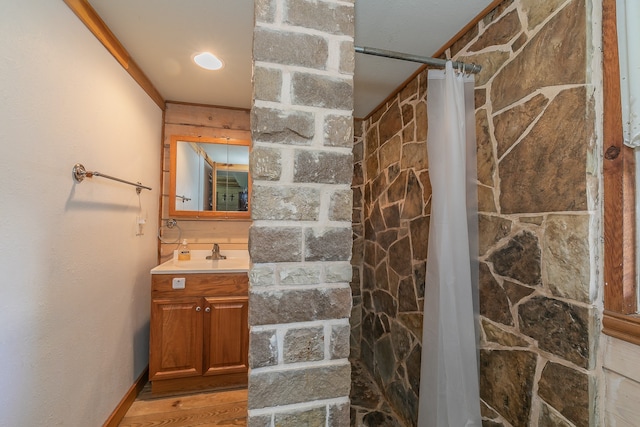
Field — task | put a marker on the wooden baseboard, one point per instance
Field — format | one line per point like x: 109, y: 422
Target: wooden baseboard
x: 210, y: 382
x: 622, y: 326
x: 118, y: 414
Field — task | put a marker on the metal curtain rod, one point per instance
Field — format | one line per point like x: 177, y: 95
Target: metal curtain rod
x: 436, y: 62
x: 80, y: 173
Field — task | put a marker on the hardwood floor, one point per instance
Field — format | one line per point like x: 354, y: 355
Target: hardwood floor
x: 220, y: 408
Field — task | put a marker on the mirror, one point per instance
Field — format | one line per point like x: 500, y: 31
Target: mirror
x: 209, y: 178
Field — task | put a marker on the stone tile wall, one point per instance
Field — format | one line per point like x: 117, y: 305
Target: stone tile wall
x: 300, y: 241
x: 539, y: 219
x: 357, y: 220
x: 395, y: 199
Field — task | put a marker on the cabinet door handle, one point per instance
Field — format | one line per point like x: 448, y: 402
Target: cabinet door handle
x: 198, y: 308
x: 208, y: 309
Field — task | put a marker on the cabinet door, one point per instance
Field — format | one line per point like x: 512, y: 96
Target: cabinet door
x: 226, y: 335
x: 175, y: 342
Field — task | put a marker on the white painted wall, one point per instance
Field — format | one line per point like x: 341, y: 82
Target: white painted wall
x: 74, y: 290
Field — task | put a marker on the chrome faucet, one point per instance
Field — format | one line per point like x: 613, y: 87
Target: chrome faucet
x: 215, y: 253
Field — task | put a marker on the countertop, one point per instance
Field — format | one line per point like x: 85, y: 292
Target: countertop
x: 237, y: 262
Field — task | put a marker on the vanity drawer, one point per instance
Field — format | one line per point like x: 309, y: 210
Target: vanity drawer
x: 232, y: 284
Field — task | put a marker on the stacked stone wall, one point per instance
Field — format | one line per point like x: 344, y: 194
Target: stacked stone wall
x: 395, y: 200
x: 300, y: 241
x: 539, y: 215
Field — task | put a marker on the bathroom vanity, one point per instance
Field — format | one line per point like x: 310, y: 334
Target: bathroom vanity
x: 199, y: 334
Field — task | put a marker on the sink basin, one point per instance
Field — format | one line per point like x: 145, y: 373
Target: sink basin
x: 237, y: 262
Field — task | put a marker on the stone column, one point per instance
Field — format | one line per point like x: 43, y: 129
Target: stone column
x: 300, y: 240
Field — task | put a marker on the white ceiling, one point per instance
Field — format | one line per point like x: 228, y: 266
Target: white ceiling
x: 163, y: 35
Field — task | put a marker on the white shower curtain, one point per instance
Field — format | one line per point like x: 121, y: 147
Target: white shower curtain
x: 449, y: 390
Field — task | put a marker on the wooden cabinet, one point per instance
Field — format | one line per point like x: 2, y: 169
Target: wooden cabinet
x: 226, y: 335
x: 176, y: 334
x: 199, y: 336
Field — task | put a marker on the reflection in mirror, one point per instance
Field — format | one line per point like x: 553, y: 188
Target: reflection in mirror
x: 209, y: 177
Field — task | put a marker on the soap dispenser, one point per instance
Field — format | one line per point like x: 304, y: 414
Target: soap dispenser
x: 183, y: 253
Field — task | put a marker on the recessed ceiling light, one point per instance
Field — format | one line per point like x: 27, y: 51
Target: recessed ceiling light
x: 208, y: 61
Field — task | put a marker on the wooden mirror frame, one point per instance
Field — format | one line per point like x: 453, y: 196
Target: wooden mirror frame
x: 233, y: 215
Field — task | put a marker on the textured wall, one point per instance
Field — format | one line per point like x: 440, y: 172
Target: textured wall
x: 357, y: 250
x: 393, y: 239
x: 300, y: 241
x: 538, y: 209
x: 74, y: 303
